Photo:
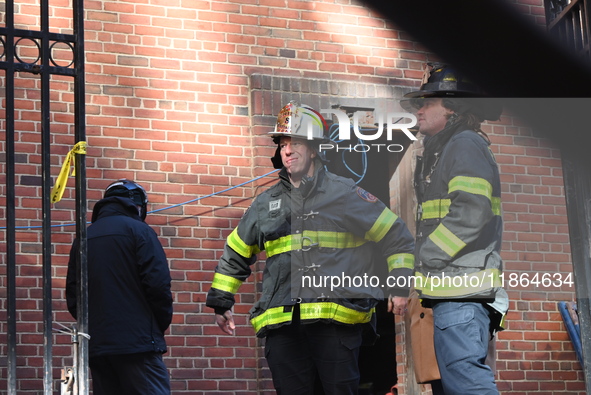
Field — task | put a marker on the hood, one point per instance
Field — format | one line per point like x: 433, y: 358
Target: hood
x: 115, y: 205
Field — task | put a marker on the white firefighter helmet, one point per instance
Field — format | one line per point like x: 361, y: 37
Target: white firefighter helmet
x: 300, y: 121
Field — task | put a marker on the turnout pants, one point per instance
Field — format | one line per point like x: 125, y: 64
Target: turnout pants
x: 301, y: 354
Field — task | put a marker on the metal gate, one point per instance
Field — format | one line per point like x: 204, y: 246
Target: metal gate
x: 41, y: 47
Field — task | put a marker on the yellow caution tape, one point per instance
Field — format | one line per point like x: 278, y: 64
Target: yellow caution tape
x: 62, y: 179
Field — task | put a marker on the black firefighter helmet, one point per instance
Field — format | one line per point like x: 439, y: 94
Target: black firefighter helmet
x: 443, y: 81
x: 129, y: 189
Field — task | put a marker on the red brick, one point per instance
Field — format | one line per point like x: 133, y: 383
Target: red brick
x: 166, y: 107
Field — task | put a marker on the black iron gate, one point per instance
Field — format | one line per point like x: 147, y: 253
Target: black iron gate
x: 44, y: 44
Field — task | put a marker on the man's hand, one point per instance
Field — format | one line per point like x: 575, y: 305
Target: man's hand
x: 397, y: 304
x: 226, y: 322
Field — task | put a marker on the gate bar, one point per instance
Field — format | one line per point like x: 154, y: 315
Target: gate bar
x: 45, y: 69
x: 82, y: 378
x: 46, y: 205
x: 10, y: 203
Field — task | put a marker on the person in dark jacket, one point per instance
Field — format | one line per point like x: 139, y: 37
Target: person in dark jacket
x: 129, y: 296
x: 459, y: 227
x: 313, y: 226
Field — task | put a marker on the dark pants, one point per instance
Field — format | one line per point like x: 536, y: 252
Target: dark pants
x: 300, y: 354
x: 461, y: 345
x: 129, y: 374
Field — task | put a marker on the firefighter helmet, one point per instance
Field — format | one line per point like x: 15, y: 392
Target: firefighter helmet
x: 298, y: 121
x: 129, y: 189
x: 440, y: 80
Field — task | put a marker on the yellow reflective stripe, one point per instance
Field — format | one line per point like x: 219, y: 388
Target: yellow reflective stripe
x: 475, y: 185
x: 381, y: 226
x: 333, y: 311
x: 502, y: 323
x: 462, y: 285
x: 446, y: 240
x: 238, y: 245
x: 279, y: 246
x: 310, y: 311
x: 273, y: 316
x: 225, y: 283
x: 323, y: 239
x: 333, y: 239
x: 401, y: 261
x: 496, y: 205
x: 435, y: 208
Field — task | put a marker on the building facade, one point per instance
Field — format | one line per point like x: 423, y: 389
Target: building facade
x: 179, y: 97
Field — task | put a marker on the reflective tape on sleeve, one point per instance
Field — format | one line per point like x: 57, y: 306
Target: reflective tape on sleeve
x: 225, y: 283
x: 401, y: 261
x: 475, y: 185
x: 446, y: 240
x: 439, y: 208
x: 381, y: 226
x: 238, y: 245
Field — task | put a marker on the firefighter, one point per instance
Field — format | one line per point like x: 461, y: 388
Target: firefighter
x: 317, y: 226
x: 459, y: 227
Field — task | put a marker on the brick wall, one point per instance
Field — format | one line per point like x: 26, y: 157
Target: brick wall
x: 174, y: 102
x: 533, y: 351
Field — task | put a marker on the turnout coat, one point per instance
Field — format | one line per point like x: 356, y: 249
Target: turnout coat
x: 459, y: 221
x: 322, y: 240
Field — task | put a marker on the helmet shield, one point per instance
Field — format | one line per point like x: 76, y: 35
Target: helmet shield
x: 300, y: 121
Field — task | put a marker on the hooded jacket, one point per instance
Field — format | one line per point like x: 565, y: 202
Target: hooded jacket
x: 129, y: 296
x: 321, y: 241
x: 459, y: 219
